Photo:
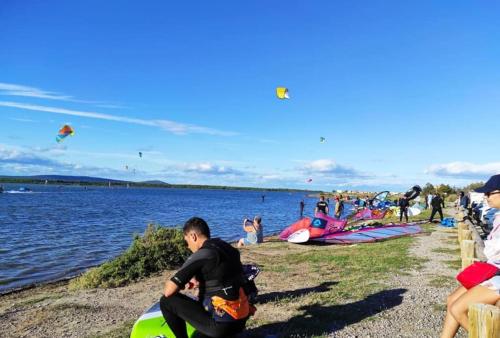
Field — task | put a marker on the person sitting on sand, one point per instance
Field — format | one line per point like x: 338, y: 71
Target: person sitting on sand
x: 254, y: 230
x: 223, y: 308
x: 488, y: 291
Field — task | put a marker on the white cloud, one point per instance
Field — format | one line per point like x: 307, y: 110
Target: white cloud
x: 210, y: 169
x: 22, y: 120
x: 464, y: 170
x: 26, y: 91
x: 171, y: 126
x: 329, y: 166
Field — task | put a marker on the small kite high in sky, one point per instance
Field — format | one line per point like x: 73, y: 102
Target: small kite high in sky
x: 322, y: 139
x: 282, y: 93
x: 140, y: 154
x: 309, y: 180
x: 64, y: 132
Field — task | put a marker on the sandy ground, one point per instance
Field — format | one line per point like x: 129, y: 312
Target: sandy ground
x: 55, y: 311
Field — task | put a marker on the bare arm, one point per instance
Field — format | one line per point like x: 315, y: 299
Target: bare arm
x: 170, y: 288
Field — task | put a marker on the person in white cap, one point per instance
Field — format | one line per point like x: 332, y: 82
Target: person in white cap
x: 488, y: 291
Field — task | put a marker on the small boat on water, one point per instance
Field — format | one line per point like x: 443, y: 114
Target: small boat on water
x: 24, y: 189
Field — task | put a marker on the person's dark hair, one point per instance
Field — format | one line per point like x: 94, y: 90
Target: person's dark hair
x: 198, y: 225
x: 461, y: 193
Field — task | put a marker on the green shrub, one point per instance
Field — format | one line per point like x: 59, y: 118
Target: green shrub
x: 158, y: 249
x: 451, y: 198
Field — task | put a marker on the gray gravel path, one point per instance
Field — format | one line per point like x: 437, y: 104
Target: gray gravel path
x: 422, y: 310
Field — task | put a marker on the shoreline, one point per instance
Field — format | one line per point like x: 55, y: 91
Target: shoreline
x: 344, y: 285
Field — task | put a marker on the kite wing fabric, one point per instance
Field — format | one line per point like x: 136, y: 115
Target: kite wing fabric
x: 64, y: 132
x: 413, y: 192
x: 282, y: 93
x: 371, y: 234
x: 322, y: 139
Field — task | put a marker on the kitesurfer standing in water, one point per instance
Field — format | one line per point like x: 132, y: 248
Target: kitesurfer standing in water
x: 216, y: 267
x: 321, y: 206
x: 302, y: 205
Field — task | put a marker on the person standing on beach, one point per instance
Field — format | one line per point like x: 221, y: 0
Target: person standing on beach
x: 216, y: 268
x: 339, y: 206
x: 429, y: 201
x: 403, y: 208
x: 302, y: 205
x: 321, y: 206
x: 437, y: 204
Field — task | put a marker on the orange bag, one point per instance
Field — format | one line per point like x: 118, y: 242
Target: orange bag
x: 238, y: 309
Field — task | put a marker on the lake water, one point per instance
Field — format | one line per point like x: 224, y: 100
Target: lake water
x: 56, y: 232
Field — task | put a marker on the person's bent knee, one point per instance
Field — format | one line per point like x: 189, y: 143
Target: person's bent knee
x: 456, y: 312
x: 450, y: 300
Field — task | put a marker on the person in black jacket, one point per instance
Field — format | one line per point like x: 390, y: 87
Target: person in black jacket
x: 437, y: 204
x: 403, y: 208
x: 216, y: 268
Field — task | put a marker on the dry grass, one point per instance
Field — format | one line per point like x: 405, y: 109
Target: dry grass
x: 308, y: 290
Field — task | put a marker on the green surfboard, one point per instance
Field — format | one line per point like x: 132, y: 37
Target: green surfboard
x: 152, y: 325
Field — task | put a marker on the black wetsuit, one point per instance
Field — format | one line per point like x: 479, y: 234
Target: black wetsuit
x: 217, y: 266
x: 436, y: 203
x: 403, y: 209
x: 322, y: 205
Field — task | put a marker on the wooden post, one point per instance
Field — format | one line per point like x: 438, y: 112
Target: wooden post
x: 463, y: 226
x: 464, y: 235
x: 467, y: 253
x: 484, y: 321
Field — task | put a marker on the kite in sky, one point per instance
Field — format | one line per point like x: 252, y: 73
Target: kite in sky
x: 140, y: 154
x: 309, y: 180
x: 322, y: 139
x: 64, y: 132
x: 282, y: 93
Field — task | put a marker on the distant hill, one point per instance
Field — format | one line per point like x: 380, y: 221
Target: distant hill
x: 88, y: 180
x: 62, y: 178
x: 156, y: 182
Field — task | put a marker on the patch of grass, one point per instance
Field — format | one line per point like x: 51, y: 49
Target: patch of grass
x: 158, y: 249
x: 123, y: 331
x: 441, y: 281
x: 454, y: 251
x: 454, y: 264
x: 74, y: 306
x: 439, y: 307
x: 38, y: 299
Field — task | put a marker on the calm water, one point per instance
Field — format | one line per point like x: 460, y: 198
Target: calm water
x: 56, y: 232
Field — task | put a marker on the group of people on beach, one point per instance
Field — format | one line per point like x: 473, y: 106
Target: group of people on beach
x: 223, y: 308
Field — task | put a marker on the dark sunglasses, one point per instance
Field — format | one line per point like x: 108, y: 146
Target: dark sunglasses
x: 488, y: 194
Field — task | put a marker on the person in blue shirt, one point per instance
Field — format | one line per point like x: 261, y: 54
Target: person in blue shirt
x: 254, y: 230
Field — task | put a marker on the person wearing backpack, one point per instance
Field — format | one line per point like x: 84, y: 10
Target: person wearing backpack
x: 223, y: 307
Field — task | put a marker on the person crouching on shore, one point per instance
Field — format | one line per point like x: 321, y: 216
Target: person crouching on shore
x: 488, y: 291
x: 254, y: 230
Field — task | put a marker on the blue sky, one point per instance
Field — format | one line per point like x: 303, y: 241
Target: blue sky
x: 404, y: 92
